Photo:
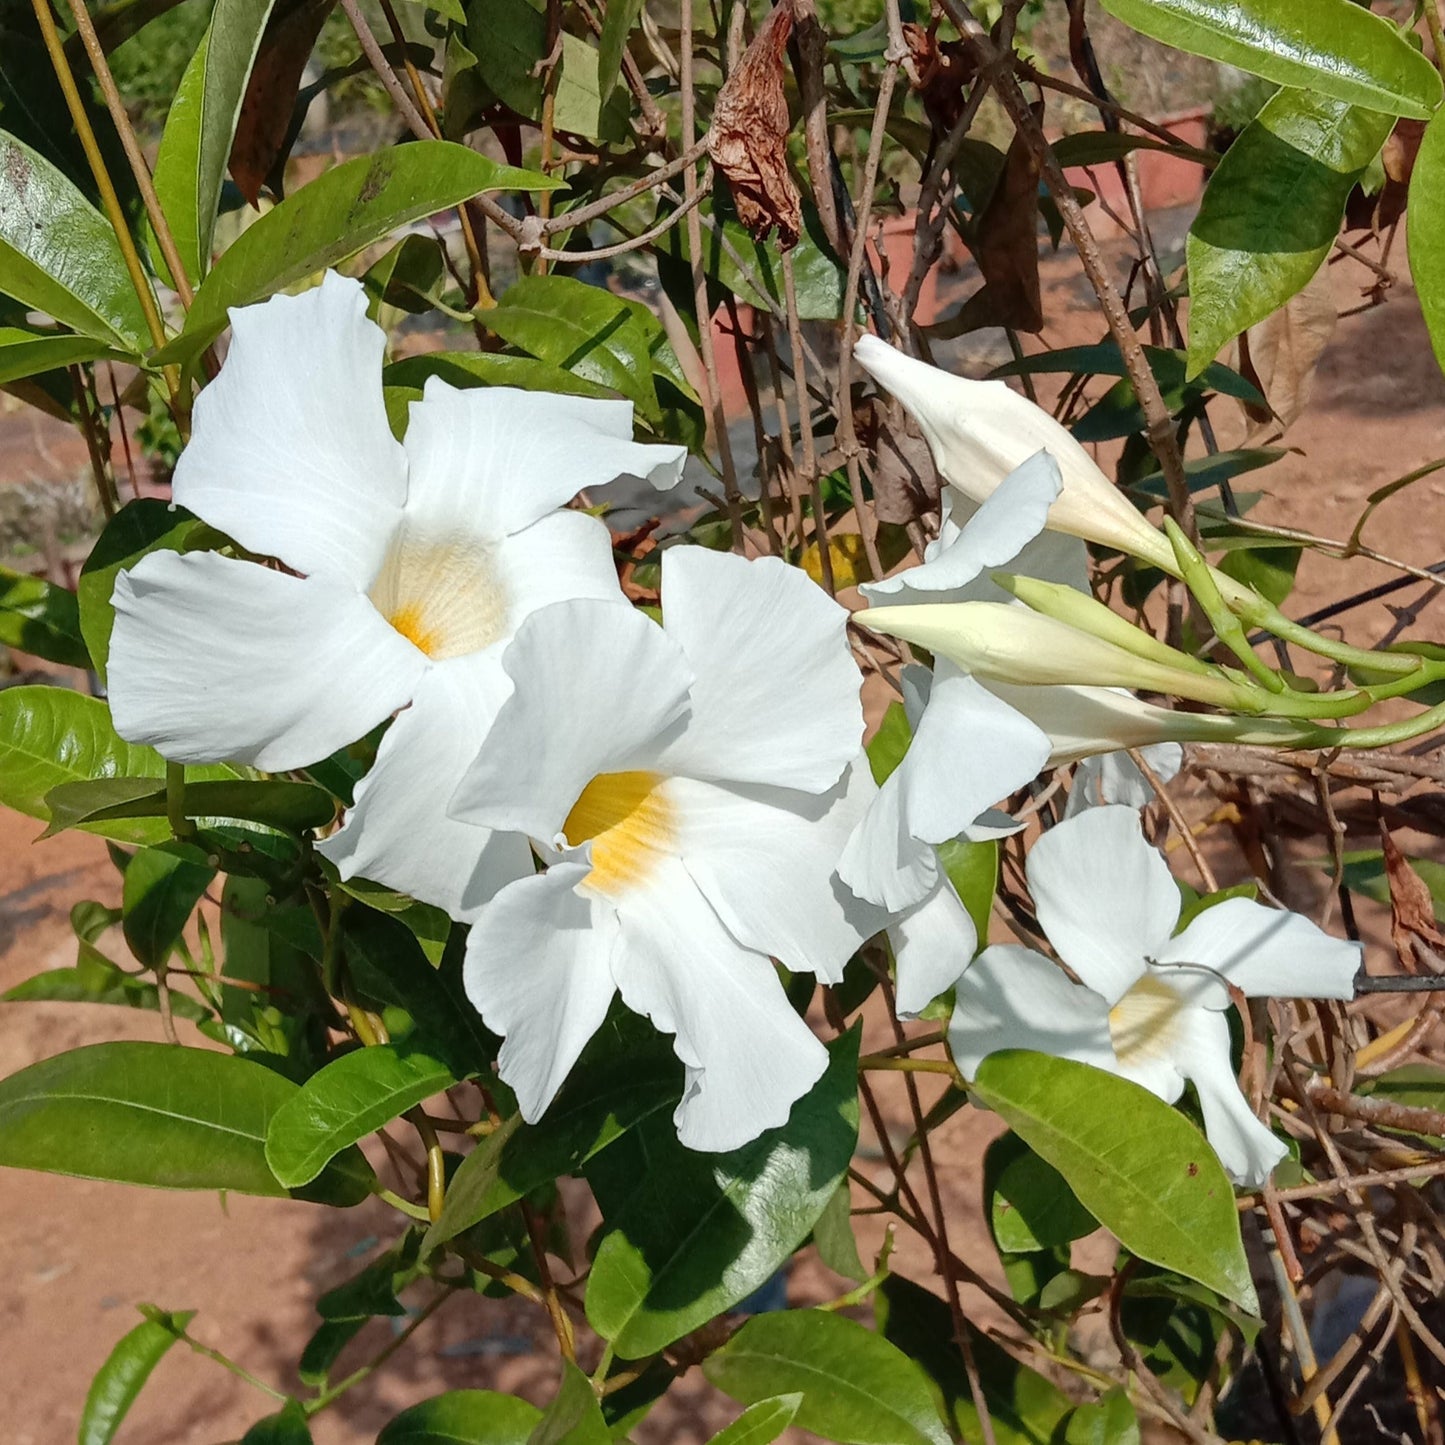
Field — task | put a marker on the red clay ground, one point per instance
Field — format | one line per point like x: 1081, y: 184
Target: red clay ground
x: 76, y: 1256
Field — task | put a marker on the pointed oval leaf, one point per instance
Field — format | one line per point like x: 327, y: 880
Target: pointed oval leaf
x: 286, y: 1427
x: 856, y: 1387
x: 351, y: 1097
x: 120, y: 1379
x: 761, y: 1423
x: 1272, y: 211
x: 155, y: 1114
x: 1136, y: 1164
x: 161, y: 889
x: 273, y: 802
x: 38, y: 617
x: 1332, y: 47
x: 191, y: 162
x: 463, y: 1417
x: 59, y: 255
x: 574, y: 1417
x: 26, y: 353
x: 698, y: 1232
x: 339, y: 213
x: 1425, y: 231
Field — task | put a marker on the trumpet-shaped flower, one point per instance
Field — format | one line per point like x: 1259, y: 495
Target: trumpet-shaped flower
x: 1150, y: 1003
x: 979, y: 431
x: 692, y: 786
x: 405, y: 569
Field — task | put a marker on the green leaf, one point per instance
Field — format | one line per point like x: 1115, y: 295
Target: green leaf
x: 286, y: 1427
x: 274, y: 802
x: 581, y: 329
x: 1102, y: 147
x: 1140, y: 1167
x: 834, y: 1239
x: 145, y: 525
x: 161, y: 889
x: 1272, y: 211
x: 488, y: 368
x: 37, y: 616
x: 574, y: 1417
x: 761, y: 1423
x: 339, y: 213
x: 1104, y: 358
x: 26, y: 353
x: 463, y: 1417
x: 191, y: 163
x: 612, y: 43
x: 324, y: 1348
x: 1029, y: 1203
x: 856, y: 1387
x: 1425, y: 231
x: 373, y: 1290
x: 59, y: 255
x: 97, y: 980
x: 1025, y: 1407
x: 889, y: 745
x: 972, y: 868
x: 154, y: 1114
x: 1417, y: 1086
x: 1332, y: 47
x: 351, y: 1097
x: 1111, y: 1421
x: 49, y: 736
x: 120, y: 1379
x: 698, y: 1232
x: 1269, y: 571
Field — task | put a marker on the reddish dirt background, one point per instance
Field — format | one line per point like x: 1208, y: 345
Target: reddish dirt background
x: 76, y: 1255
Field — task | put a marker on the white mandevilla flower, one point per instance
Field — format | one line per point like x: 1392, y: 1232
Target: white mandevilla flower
x: 409, y: 566
x: 979, y: 431
x: 1151, y: 1004
x: 692, y: 786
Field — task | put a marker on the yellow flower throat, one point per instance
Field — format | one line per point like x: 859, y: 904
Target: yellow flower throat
x: 629, y: 822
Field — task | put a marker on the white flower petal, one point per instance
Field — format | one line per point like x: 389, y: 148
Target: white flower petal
x: 1266, y: 952
x: 1014, y: 998
x: 1082, y: 721
x: 496, y: 459
x: 776, y: 700
x: 933, y: 943
x: 290, y: 451
x: 214, y: 659
x: 595, y: 686
x: 539, y: 971
x: 883, y: 862
x: 764, y: 859
x: 1104, y: 897
x: 1247, y: 1149
x: 748, y: 1056
x: 969, y: 750
x: 1115, y: 778
x: 566, y: 555
x: 398, y: 833
x: 996, y: 533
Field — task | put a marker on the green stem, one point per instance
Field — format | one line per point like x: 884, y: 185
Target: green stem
x: 181, y: 825
x: 330, y: 1396
x: 240, y: 1372
x: 413, y: 1211
x: 1259, y: 613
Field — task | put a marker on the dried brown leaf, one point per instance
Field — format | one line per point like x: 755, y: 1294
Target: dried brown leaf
x: 748, y: 140
x: 1412, y: 910
x: 905, y: 481
x: 943, y: 72
x: 1283, y: 352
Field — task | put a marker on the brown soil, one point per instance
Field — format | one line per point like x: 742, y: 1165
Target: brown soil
x: 76, y: 1255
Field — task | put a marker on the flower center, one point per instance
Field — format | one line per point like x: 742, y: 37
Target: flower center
x: 1143, y: 1023
x: 444, y: 597
x: 630, y: 824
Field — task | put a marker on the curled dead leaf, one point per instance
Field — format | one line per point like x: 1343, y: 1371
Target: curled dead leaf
x: 748, y: 140
x: 1412, y: 910
x: 905, y: 481
x: 1281, y: 354
x: 943, y: 70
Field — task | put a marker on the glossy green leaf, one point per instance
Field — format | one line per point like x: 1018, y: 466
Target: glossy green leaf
x: 834, y: 1239
x: 1103, y: 147
x: 336, y: 215
x: 1270, y: 571
x: 324, y: 1348
x: 1272, y: 211
x: 1028, y: 1202
x: 761, y: 1423
x: 489, y: 368
x: 351, y: 1097
x: 142, y: 526
x: 1104, y: 358
x: 161, y: 889
x: 25, y: 353
x: 1110, y: 1421
x: 274, y: 802
x: 191, y: 163
x: 1025, y: 1408
x: 1334, y: 48
x: 889, y: 745
x: 1140, y: 1167
x: 856, y: 1387
x: 120, y: 1379
x: 463, y: 1417
x: 374, y: 1289
x: 59, y: 255
x: 574, y: 1417
x: 286, y: 1427
x: 612, y: 43
x: 972, y: 868
x: 155, y: 1114
x: 97, y: 980
x: 38, y: 617
x: 579, y: 328
x: 1425, y: 231
x: 698, y: 1232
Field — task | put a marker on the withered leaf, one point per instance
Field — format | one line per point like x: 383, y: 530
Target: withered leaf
x: 1412, y: 910
x: 266, y: 112
x: 943, y: 72
x: 905, y: 481
x: 748, y: 140
x: 1281, y: 353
